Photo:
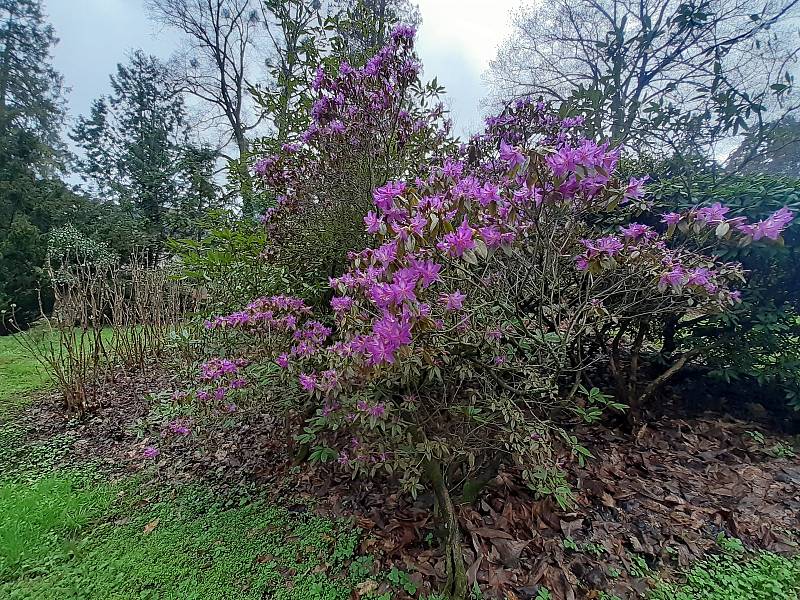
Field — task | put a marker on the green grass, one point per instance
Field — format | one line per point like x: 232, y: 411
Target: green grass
x: 20, y: 375
x: 195, y: 545
x: 38, y: 522
x: 737, y: 576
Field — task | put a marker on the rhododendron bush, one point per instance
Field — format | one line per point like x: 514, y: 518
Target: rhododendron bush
x: 367, y: 125
x: 486, y: 302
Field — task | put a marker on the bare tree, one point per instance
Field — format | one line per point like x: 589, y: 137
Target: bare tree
x: 655, y: 72
x: 220, y: 40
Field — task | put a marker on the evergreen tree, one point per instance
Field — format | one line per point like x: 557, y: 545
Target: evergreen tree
x: 31, y: 115
x: 136, y: 150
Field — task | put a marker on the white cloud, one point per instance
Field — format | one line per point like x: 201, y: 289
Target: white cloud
x: 456, y: 42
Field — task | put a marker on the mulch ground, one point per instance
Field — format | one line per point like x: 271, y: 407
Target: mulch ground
x: 663, y: 495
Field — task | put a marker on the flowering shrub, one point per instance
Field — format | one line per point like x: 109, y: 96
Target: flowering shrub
x: 467, y: 327
x: 368, y: 124
x: 767, y: 321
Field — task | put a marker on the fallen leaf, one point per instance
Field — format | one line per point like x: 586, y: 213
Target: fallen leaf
x: 151, y: 526
x: 492, y: 534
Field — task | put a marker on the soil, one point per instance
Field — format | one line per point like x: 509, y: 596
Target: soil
x: 662, y: 493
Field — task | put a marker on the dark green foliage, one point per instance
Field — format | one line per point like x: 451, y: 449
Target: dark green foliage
x: 226, y: 261
x: 30, y: 118
x: 137, y: 154
x: 30, y: 89
x: 775, y: 149
x: 767, y: 322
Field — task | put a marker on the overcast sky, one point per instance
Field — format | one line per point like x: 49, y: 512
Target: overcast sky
x: 457, y: 40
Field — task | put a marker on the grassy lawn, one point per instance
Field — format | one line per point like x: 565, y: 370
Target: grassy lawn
x: 62, y: 539
x: 20, y: 374
x: 70, y: 533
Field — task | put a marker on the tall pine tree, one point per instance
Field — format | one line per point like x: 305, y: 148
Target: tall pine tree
x: 31, y: 115
x: 136, y: 151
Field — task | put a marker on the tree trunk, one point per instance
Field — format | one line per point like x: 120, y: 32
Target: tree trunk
x: 456, y: 584
x: 245, y: 179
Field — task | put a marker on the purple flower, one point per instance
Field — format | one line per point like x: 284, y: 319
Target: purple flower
x: 336, y: 126
x: 203, y: 395
x: 308, y: 382
x: 671, y: 218
x: 403, y: 287
x: 384, y: 196
x: 510, y: 155
x: 771, y: 228
x: 635, y: 188
x: 403, y: 32
x: 179, y: 428
x: 491, y: 236
x: 634, y: 231
x: 452, y: 301
x: 488, y: 193
x: 494, y: 334
x: 238, y: 383
x: 341, y: 304
x: 283, y: 361
x: 673, y: 277
x: 452, y: 168
x: 427, y: 271
x: 231, y: 408
x: 699, y: 276
x: 712, y: 214
x: 373, y: 222
x: 460, y: 240
x: 611, y: 245
x: 151, y: 452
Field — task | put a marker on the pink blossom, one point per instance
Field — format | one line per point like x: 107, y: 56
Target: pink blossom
x: 770, y: 228
x: 341, y: 304
x: 308, y: 382
x: 384, y: 196
x: 511, y: 155
x: 454, y: 301
x: 699, y: 276
x: 491, y: 236
x: 373, y: 222
x: 179, y: 427
x: 673, y: 277
x: 634, y: 231
x: 671, y: 218
x: 712, y: 214
x: 428, y: 271
x: 635, y: 188
x: 459, y: 241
